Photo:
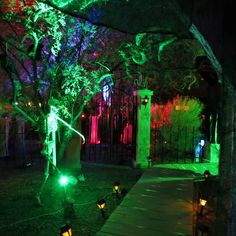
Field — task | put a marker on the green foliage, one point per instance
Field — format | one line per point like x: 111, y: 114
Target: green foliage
x: 83, y: 4
x: 80, y: 81
x: 55, y: 57
x: 190, y: 117
x: 184, y: 126
x: 134, y: 53
x: 45, y: 22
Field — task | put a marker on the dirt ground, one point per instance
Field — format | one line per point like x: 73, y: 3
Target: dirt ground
x: 21, y: 215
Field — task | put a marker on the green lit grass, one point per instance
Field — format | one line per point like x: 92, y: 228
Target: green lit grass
x: 20, y: 215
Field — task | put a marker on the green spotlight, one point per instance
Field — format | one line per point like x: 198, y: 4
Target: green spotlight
x: 64, y: 180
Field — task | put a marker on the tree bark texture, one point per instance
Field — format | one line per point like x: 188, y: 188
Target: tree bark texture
x: 69, y: 149
x: 226, y: 207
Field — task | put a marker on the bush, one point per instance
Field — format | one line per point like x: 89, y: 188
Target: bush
x: 183, y: 129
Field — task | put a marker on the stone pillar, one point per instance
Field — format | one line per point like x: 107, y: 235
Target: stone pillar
x: 214, y: 152
x: 143, y: 126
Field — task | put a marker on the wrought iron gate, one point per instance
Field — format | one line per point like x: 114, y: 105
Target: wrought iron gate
x: 173, y: 145
x: 110, y: 130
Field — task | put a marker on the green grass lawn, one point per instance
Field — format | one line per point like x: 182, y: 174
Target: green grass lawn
x: 21, y: 215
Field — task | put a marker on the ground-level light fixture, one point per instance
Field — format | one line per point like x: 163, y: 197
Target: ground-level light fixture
x: 203, y: 203
x: 66, y: 230
x: 206, y: 174
x: 101, y: 203
x: 63, y: 180
x: 116, y: 187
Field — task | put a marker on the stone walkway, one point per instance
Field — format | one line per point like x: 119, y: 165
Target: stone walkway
x: 159, y: 204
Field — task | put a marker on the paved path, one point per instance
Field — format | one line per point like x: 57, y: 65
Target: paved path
x: 159, y: 204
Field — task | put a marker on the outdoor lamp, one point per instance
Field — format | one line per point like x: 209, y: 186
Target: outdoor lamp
x: 116, y: 187
x: 66, y: 230
x: 202, y: 204
x: 101, y: 205
x: 145, y: 100
x: 206, y: 174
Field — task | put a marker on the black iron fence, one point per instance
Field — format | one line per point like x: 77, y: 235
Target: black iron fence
x: 111, y: 138
x: 111, y: 134
x: 19, y: 143
x: 174, y: 145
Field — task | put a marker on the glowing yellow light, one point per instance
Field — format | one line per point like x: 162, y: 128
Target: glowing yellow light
x: 68, y: 233
x: 66, y: 230
x: 101, y: 204
x: 203, y: 202
x: 145, y: 100
x: 181, y: 108
x: 116, y: 186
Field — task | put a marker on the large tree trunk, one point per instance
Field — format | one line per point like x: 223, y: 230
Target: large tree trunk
x: 61, y: 146
x: 72, y: 153
x: 69, y: 149
x: 227, y: 197
x: 226, y: 208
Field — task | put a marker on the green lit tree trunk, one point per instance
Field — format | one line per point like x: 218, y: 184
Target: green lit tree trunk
x: 227, y: 166
x: 69, y: 148
x: 72, y: 153
x: 63, y: 144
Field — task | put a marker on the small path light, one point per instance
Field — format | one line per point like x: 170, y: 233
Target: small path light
x: 101, y: 205
x: 202, y: 205
x: 66, y: 230
x: 206, y: 174
x: 116, y: 187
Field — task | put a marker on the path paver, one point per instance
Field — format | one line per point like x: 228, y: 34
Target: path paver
x: 159, y: 204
